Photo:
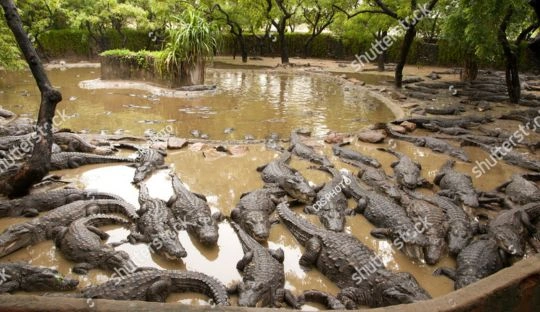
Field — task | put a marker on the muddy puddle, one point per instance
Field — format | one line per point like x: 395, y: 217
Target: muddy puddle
x: 223, y: 180
x: 253, y: 102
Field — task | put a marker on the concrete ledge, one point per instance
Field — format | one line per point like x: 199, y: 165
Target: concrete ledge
x: 516, y: 288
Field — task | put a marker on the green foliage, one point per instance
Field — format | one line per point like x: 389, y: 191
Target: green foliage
x: 10, y: 56
x: 144, y: 59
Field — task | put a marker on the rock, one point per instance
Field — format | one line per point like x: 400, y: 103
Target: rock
x: 371, y: 136
x: 159, y: 145
x: 249, y: 137
x: 304, y: 131
x: 197, y: 147
x: 213, y: 154
x: 409, y: 126
x: 356, y: 81
x: 205, y: 136
x: 228, y: 130
x: 398, y: 96
x: 238, y: 150
x: 398, y: 129
x: 176, y: 143
x: 334, y: 138
x: 196, y: 133
x: 410, y: 105
x: 434, y: 76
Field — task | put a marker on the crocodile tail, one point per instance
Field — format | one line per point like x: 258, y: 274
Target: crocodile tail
x: 248, y: 243
x: 105, y: 206
x: 382, y: 149
x: 102, y: 195
x: 301, y: 229
x: 200, y: 283
x: 106, y: 219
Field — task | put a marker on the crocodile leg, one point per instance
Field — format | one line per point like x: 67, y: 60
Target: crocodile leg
x: 233, y: 289
x: 159, y: 291
x: 9, y: 286
x: 82, y: 268
x: 524, y: 217
x: 277, y: 254
x: 352, y: 296
x: 30, y: 213
x: 98, y: 232
x: 244, y: 261
x: 313, y: 248
x: 290, y: 299
x: 448, y: 272
x: 381, y: 233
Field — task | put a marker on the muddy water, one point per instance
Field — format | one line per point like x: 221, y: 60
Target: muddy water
x: 254, y: 102
x: 223, y: 180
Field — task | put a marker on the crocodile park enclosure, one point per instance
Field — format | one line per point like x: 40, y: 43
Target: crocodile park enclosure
x: 246, y: 123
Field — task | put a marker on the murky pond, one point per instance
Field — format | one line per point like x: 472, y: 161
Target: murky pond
x: 253, y: 102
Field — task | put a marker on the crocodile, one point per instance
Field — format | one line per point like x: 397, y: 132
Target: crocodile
x: 449, y: 130
x: 423, y: 212
x: 155, y: 226
x: 25, y: 234
x: 341, y: 256
x: 306, y: 152
x: 24, y: 277
x: 69, y: 160
x: 321, y: 297
x: 148, y: 161
x: 74, y: 143
x: 512, y: 228
x: 263, y: 275
x: 510, y: 156
x: 31, y: 205
x: 8, y: 142
x: 17, y: 127
x: 461, y: 228
x: 80, y: 242
x: 406, y: 171
x: 377, y: 179
x: 4, y: 113
x: 352, y: 156
x: 278, y: 172
x: 455, y: 184
x: 192, y: 211
x: 520, y: 190
x: 393, y: 222
x: 156, y: 285
x: 331, y: 203
x: 463, y: 122
x: 254, y: 209
x: 434, y: 144
x: 445, y: 110
x: 479, y: 259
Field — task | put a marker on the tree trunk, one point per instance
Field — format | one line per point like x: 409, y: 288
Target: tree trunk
x: 512, y: 78
x: 307, y: 47
x: 38, y: 165
x: 243, y: 49
x: 470, y: 72
x: 381, y: 58
x: 405, y: 49
x: 284, y: 47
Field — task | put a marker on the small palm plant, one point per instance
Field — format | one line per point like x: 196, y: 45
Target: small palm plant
x: 190, y: 42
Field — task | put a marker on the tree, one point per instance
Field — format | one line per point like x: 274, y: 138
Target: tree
x: 10, y: 55
x: 38, y: 165
x: 319, y: 15
x: 535, y: 44
x: 405, y: 15
x: 279, y: 12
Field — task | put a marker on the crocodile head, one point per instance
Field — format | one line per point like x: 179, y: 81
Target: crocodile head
x: 332, y: 220
x: 251, y: 293
x: 16, y: 237
x: 435, y: 250
x: 298, y: 188
x: 206, y: 230
x: 169, y: 246
x: 257, y: 224
x: 40, y: 279
x: 470, y: 199
x: 119, y: 259
x: 459, y: 237
x: 392, y: 191
x: 398, y: 288
x: 510, y: 241
x: 408, y: 179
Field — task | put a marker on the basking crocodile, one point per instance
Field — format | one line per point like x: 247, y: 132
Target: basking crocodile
x: 510, y: 156
x: 254, y: 209
x: 25, y: 277
x: 156, y: 227
x: 31, y: 205
x: 290, y: 180
x: 436, y: 227
x: 520, y: 190
x: 156, y: 285
x: 449, y: 131
x: 463, y: 122
x: 263, y: 275
x: 148, y: 161
x: 4, y: 113
x: 512, y: 228
x: 68, y: 160
x: 74, y: 143
x: 331, y: 203
x: 479, y: 259
x: 435, y: 145
x: 25, y: 234
x: 8, y: 142
x: 407, y: 171
x: 461, y: 228
x: 192, y: 210
x: 352, y: 157
x: 306, y: 152
x: 17, y: 127
x: 320, y: 297
x: 455, y: 184
x: 341, y: 257
x: 377, y: 179
x: 81, y: 243
x: 393, y: 222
